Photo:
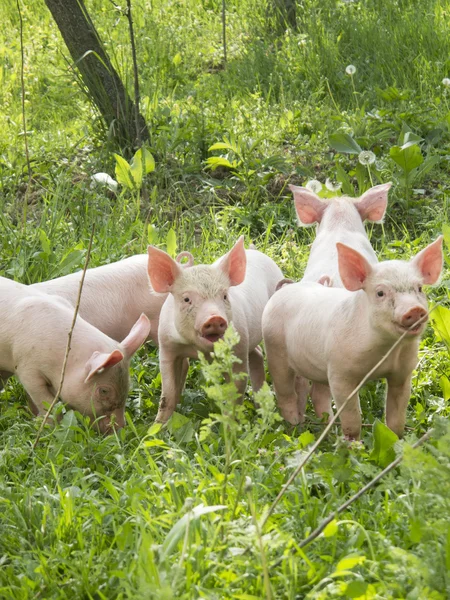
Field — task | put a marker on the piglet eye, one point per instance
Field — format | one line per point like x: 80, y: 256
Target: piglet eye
x: 380, y: 293
x: 225, y: 296
x: 420, y: 289
x: 187, y: 299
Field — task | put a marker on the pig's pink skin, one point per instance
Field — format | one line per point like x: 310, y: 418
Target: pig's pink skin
x: 230, y: 290
x: 33, y: 338
x: 113, y: 298
x: 338, y: 219
x: 334, y: 336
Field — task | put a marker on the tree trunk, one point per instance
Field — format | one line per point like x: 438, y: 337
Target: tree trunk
x: 99, y: 76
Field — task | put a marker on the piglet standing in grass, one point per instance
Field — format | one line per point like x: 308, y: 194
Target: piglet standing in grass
x: 336, y: 336
x: 202, y: 302
x: 33, y: 338
x: 339, y: 219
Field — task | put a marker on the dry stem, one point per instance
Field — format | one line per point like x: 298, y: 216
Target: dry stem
x: 66, y: 356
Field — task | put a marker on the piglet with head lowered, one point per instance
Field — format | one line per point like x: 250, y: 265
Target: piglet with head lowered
x: 340, y: 219
x: 335, y: 336
x: 202, y: 301
x: 33, y: 338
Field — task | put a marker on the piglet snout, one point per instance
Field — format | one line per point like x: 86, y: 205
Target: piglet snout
x: 413, y: 315
x: 214, y: 328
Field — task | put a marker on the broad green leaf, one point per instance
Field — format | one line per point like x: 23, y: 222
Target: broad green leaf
x: 154, y: 429
x: 156, y: 444
x: 331, y: 529
x: 427, y: 165
x: 444, y: 382
x: 171, y: 242
x: 407, y: 158
x: 356, y: 589
x: 440, y: 320
x: 220, y: 146
x: 343, y: 142
x: 218, y: 161
x: 447, y: 550
x: 123, y: 172
x: 178, y: 530
x: 152, y: 234
x: 142, y: 163
x: 446, y: 232
x: 343, y: 178
x: 349, y: 562
x: 306, y: 438
x: 410, y: 138
x: 45, y: 243
x: 383, y: 444
x: 415, y: 530
x: 69, y: 262
x: 177, y: 59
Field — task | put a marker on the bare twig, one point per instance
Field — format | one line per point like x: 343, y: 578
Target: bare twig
x: 335, y: 417
x: 360, y: 492
x: 137, y: 95
x: 24, y: 120
x: 75, y: 314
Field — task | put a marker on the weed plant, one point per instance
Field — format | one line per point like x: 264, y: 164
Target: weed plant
x: 177, y: 512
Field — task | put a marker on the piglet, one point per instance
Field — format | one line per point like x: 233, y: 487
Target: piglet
x: 339, y: 219
x: 335, y: 336
x: 202, y: 301
x: 114, y: 295
x: 33, y: 338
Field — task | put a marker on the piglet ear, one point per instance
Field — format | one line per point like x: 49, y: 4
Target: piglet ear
x: 100, y: 361
x: 308, y: 205
x: 429, y: 262
x: 234, y: 263
x: 162, y: 270
x: 353, y: 267
x: 136, y: 337
x: 373, y: 203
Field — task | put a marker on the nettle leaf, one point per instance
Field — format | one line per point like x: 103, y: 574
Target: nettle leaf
x: 440, y: 320
x: 343, y: 142
x: 123, y: 172
x: 171, y: 242
x: 407, y: 158
x: 383, y: 444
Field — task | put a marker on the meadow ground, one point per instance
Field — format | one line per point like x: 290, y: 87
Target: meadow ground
x: 177, y: 512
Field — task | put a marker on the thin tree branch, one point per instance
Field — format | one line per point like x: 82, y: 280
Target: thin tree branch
x: 360, y: 492
x: 24, y: 120
x: 335, y: 417
x: 137, y: 96
x: 69, y: 339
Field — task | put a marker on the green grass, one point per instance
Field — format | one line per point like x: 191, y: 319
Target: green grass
x: 89, y: 517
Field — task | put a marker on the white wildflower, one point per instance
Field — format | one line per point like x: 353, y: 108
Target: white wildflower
x: 105, y: 179
x: 366, y: 157
x: 446, y: 82
x: 314, y: 185
x: 350, y: 70
x: 332, y: 186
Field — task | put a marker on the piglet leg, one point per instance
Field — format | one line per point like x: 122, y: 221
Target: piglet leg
x: 172, y: 370
x: 256, y: 367
x: 397, y: 400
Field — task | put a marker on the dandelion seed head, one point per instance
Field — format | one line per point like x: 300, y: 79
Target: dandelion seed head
x: 350, y: 70
x: 366, y: 157
x: 333, y: 186
x: 446, y: 82
x: 314, y: 185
